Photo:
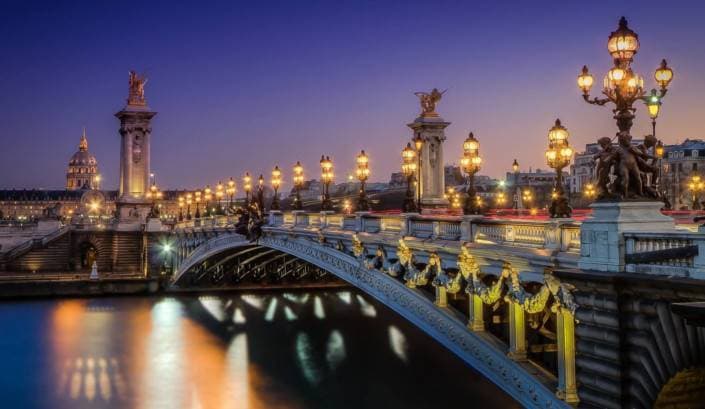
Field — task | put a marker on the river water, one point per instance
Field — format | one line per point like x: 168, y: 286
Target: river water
x: 318, y: 349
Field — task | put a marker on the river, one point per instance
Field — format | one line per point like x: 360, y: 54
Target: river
x: 318, y: 349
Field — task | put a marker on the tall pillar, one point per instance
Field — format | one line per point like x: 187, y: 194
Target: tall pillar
x: 135, y: 131
x: 565, y: 332
x: 430, y: 128
x: 517, y: 332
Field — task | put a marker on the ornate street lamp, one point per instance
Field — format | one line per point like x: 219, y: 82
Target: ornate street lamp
x: 198, y: 201
x: 470, y: 163
x: 363, y: 173
x: 696, y: 185
x: 589, y: 192
x: 208, y: 195
x: 527, y: 197
x: 501, y: 199
x: 418, y: 144
x: 155, y: 194
x: 219, y: 193
x: 189, y: 200
x: 260, y: 193
x: 558, y: 156
x: 517, y: 188
x: 408, y: 168
x: 298, y: 183
x: 181, y: 208
x: 276, y: 182
x: 231, y: 190
x: 622, y: 86
x: 326, y: 178
x: 247, y: 186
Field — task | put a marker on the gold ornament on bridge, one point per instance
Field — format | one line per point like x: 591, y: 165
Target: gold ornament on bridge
x: 136, y: 94
x: 358, y: 248
x: 428, y: 101
x: 492, y: 294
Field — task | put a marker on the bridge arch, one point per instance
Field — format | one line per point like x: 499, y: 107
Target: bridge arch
x: 441, y: 324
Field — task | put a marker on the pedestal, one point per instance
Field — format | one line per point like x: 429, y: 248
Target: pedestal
x: 432, y: 181
x: 602, y: 245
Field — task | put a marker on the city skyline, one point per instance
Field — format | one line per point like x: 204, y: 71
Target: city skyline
x: 307, y: 85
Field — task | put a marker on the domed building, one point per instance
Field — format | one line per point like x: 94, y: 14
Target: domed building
x: 82, y: 172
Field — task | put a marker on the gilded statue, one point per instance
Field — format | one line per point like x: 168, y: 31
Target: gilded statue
x: 358, y: 249
x: 492, y: 294
x: 405, y: 260
x: 428, y: 101
x: 379, y: 260
x: 136, y: 94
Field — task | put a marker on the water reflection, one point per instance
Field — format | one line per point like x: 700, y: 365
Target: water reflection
x: 262, y: 350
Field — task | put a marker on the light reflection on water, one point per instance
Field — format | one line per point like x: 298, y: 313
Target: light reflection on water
x: 260, y: 350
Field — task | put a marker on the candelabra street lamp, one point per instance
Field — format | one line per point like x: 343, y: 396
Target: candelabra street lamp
x: 470, y: 163
x: 247, y: 186
x: 219, y: 193
x: 622, y: 86
x: 298, y: 183
x: 181, y: 208
x: 231, y: 190
x: 589, y: 191
x: 326, y: 179
x: 198, y: 203
x: 696, y: 185
x: 154, y: 194
x: 189, y: 200
x: 276, y: 182
x: 408, y: 168
x: 527, y: 197
x: 418, y: 144
x: 501, y: 199
x: 207, y: 196
x: 558, y: 156
x: 363, y: 173
x: 260, y: 193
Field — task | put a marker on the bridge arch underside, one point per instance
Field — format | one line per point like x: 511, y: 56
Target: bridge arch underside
x: 323, y: 261
x: 252, y: 264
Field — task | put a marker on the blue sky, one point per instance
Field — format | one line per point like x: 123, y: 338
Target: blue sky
x: 242, y: 86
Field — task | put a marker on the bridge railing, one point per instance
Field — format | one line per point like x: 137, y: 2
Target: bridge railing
x: 665, y: 253
x: 561, y: 235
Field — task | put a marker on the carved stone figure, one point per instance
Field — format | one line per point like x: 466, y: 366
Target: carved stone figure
x: 492, y: 294
x: 429, y: 101
x: 648, y: 166
x: 136, y: 92
x: 605, y: 159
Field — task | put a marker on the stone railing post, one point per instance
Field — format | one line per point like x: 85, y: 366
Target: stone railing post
x: 441, y: 296
x: 468, y: 227
x: 360, y: 221
x: 404, y: 226
x: 552, y: 236
x: 517, y: 332
x: 565, y: 331
x: 476, y: 321
x: 436, y: 226
x: 273, y: 216
x: 324, y: 219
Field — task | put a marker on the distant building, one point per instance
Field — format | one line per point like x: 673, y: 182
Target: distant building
x: 453, y: 175
x: 397, y: 180
x: 82, y: 172
x: 680, y: 162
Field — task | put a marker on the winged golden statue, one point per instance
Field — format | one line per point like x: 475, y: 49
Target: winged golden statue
x: 428, y: 101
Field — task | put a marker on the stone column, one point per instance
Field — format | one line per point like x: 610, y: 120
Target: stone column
x: 517, y: 332
x: 476, y: 320
x: 565, y: 332
x: 432, y: 183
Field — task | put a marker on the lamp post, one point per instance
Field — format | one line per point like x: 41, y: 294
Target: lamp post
x: 501, y: 199
x: 181, y: 208
x: 231, y: 189
x: 558, y: 156
x: 326, y: 178
x: 198, y: 202
x: 363, y: 173
x: 276, y: 182
x: 527, y: 197
x: 154, y: 194
x: 298, y: 183
x: 418, y: 144
x: 219, y: 193
x: 189, y: 199
x: 260, y: 193
x: 470, y: 163
x: 622, y: 86
x: 207, y: 195
x: 517, y: 188
x: 696, y: 185
x: 408, y: 168
x: 589, y: 191
x: 247, y: 186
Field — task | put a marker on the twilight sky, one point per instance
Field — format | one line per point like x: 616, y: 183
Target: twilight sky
x: 246, y: 85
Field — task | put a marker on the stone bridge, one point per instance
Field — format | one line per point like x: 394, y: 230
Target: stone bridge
x: 507, y: 296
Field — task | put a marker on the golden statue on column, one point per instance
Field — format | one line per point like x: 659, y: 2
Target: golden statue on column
x: 136, y: 94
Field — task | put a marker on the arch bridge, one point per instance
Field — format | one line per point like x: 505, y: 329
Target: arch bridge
x: 507, y: 296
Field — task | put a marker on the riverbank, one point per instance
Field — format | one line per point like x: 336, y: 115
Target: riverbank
x: 29, y: 287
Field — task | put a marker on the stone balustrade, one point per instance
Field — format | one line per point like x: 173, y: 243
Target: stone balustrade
x: 666, y: 253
